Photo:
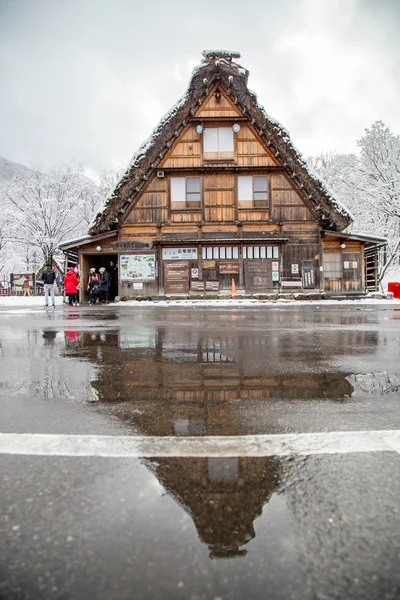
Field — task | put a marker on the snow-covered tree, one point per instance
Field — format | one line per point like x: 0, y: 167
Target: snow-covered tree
x: 368, y: 183
x: 48, y: 207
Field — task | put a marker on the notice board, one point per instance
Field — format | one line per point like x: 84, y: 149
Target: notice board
x: 176, y: 277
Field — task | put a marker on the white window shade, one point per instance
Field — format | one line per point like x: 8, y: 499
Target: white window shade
x: 210, y: 140
x: 178, y: 189
x: 218, y: 139
x: 245, y: 188
x: 225, y: 139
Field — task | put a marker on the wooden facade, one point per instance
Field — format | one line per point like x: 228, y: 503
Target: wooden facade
x: 221, y: 200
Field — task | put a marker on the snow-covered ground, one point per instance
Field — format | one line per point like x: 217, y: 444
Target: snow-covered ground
x: 35, y: 301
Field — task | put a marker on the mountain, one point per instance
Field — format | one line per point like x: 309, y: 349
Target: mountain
x: 8, y: 169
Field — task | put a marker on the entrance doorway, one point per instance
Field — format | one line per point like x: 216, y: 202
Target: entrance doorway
x: 109, y: 262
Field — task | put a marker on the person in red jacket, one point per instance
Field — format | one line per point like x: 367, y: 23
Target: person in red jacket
x: 71, y: 283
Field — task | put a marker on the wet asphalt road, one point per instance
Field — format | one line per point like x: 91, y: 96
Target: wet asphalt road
x: 199, y: 528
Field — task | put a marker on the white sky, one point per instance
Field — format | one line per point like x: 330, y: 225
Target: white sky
x: 88, y: 80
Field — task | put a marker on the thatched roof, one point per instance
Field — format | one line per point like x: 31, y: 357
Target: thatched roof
x: 218, y: 68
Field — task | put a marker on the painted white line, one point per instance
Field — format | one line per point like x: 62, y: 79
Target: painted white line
x: 333, y: 442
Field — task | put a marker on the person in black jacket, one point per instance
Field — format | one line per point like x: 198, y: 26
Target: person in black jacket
x: 105, y: 284
x: 49, y: 277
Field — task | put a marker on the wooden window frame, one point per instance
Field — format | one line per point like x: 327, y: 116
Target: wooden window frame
x: 220, y: 156
x: 251, y: 204
x: 186, y: 205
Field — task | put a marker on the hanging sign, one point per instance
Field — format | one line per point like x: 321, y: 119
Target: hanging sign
x: 179, y: 253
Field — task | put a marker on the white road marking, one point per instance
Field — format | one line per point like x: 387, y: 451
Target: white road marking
x: 299, y: 444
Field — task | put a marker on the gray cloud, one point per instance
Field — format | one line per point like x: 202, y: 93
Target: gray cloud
x: 89, y: 79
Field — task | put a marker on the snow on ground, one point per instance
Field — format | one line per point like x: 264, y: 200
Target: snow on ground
x: 35, y: 301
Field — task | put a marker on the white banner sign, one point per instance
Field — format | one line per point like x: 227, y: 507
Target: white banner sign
x: 179, y: 253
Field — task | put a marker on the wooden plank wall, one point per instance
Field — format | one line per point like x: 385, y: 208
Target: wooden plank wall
x: 219, y: 188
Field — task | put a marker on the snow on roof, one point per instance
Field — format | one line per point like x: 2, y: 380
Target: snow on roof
x: 217, y: 65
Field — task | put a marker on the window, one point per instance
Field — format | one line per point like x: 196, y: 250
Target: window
x: 218, y: 143
x: 253, y: 191
x: 332, y: 265
x: 185, y: 192
x: 260, y: 252
x: 220, y: 252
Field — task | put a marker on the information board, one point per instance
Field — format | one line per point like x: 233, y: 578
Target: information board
x: 137, y: 266
x: 176, y: 277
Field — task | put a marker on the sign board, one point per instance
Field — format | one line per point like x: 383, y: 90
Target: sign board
x: 194, y: 273
x: 179, y: 253
x: 138, y: 286
x: 137, y: 266
x: 22, y: 282
x: 228, y: 267
x: 295, y: 269
x: 308, y: 277
x: 209, y: 264
x: 275, y: 265
x: 197, y: 286
x: 176, y: 277
x: 275, y: 276
x: 346, y: 264
x: 212, y: 286
x: 258, y: 275
x: 297, y: 283
x: 131, y: 245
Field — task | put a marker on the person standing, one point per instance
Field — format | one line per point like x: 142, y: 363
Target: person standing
x: 48, y: 278
x: 105, y: 284
x: 93, y: 286
x: 71, y: 283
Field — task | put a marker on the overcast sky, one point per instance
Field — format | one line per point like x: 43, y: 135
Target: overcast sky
x: 88, y: 80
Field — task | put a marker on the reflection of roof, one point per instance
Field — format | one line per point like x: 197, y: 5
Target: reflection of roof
x: 223, y: 511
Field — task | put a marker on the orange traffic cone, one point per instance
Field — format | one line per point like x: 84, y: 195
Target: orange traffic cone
x: 233, y: 286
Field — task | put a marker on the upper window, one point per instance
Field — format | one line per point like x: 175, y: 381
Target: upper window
x: 218, y: 143
x: 253, y: 191
x: 185, y: 192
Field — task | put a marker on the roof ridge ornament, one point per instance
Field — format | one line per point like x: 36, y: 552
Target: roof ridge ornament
x: 215, y: 54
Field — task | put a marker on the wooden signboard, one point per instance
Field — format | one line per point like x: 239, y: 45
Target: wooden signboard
x: 212, y: 286
x: 176, y: 277
x: 209, y: 264
x: 228, y: 267
x: 308, y: 278
x: 258, y: 275
x: 197, y: 286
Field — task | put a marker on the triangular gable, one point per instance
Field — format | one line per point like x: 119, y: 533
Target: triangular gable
x: 231, y: 79
x: 223, y: 107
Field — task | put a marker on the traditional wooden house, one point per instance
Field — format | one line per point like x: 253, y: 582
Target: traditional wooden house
x: 218, y: 195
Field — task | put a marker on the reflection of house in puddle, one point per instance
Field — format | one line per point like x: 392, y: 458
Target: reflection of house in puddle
x: 222, y: 495
x: 189, y: 382
x: 169, y: 380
